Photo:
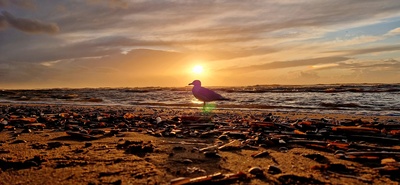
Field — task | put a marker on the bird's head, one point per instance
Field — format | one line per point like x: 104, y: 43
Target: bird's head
x: 196, y: 83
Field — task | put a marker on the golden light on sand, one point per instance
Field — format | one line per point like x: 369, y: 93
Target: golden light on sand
x: 198, y: 69
x: 196, y: 101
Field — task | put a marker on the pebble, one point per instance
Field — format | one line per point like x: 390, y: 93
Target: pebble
x: 340, y: 152
x: 317, y: 157
x: 39, y: 146
x: 55, y: 144
x: 387, y: 161
x: 120, y: 135
x: 117, y: 182
x: 26, y: 131
x: 88, y: 145
x: 31, y: 163
x: 187, y: 161
x: 195, y: 149
x: 256, y: 171
x: 158, y: 120
x: 12, y: 129
x: 19, y: 141
x: 223, y: 137
x: 352, y: 150
x: 273, y: 169
x: 338, y: 168
x: 212, y: 154
x: 340, y: 156
x: 283, y: 149
x: 195, y: 169
x: 261, y: 154
x: 178, y: 148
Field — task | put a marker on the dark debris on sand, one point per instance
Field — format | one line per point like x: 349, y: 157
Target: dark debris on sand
x: 189, y: 147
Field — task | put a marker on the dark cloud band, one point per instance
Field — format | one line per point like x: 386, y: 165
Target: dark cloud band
x: 27, y: 25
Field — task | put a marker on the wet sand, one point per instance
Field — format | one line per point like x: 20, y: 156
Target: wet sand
x: 138, y: 145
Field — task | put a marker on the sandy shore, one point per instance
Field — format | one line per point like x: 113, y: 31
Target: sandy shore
x: 60, y: 144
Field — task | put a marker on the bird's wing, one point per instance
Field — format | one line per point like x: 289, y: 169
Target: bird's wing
x: 207, y: 95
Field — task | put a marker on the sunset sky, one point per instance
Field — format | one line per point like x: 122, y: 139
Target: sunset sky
x: 136, y: 43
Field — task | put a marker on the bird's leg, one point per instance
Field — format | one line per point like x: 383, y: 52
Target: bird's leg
x: 206, y: 111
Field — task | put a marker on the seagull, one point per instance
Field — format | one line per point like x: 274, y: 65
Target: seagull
x: 204, y: 94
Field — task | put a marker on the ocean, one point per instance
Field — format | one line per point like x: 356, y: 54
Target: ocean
x: 368, y: 99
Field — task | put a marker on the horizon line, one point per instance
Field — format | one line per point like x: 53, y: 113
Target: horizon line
x: 140, y: 87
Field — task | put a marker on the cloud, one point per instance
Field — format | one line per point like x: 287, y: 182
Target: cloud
x: 309, y: 75
x: 373, y: 65
x: 288, y: 64
x: 196, y: 20
x: 193, y: 25
x: 29, y: 25
x: 370, y: 50
x: 355, y: 41
x: 50, y: 63
x: 361, y: 39
x: 27, y: 4
x: 261, y: 35
x: 393, y: 32
x: 385, y: 65
x: 3, y: 22
x: 375, y: 71
x: 323, y: 66
x: 138, y: 66
x: 111, y: 3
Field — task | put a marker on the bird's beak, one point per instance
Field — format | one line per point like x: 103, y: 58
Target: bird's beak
x: 191, y: 83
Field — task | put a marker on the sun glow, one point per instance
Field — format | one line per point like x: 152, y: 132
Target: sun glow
x: 198, y: 69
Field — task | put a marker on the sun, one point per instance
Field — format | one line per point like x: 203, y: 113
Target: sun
x: 198, y: 69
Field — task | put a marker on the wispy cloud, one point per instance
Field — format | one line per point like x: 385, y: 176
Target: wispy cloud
x: 370, y: 50
x: 29, y: 25
x: 288, y: 64
x: 360, y: 39
x: 3, y: 22
x: 393, y: 32
x: 27, y: 4
x: 50, y: 63
x: 385, y: 65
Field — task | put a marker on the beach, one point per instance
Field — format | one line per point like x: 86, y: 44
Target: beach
x: 135, y: 92
x: 87, y: 144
